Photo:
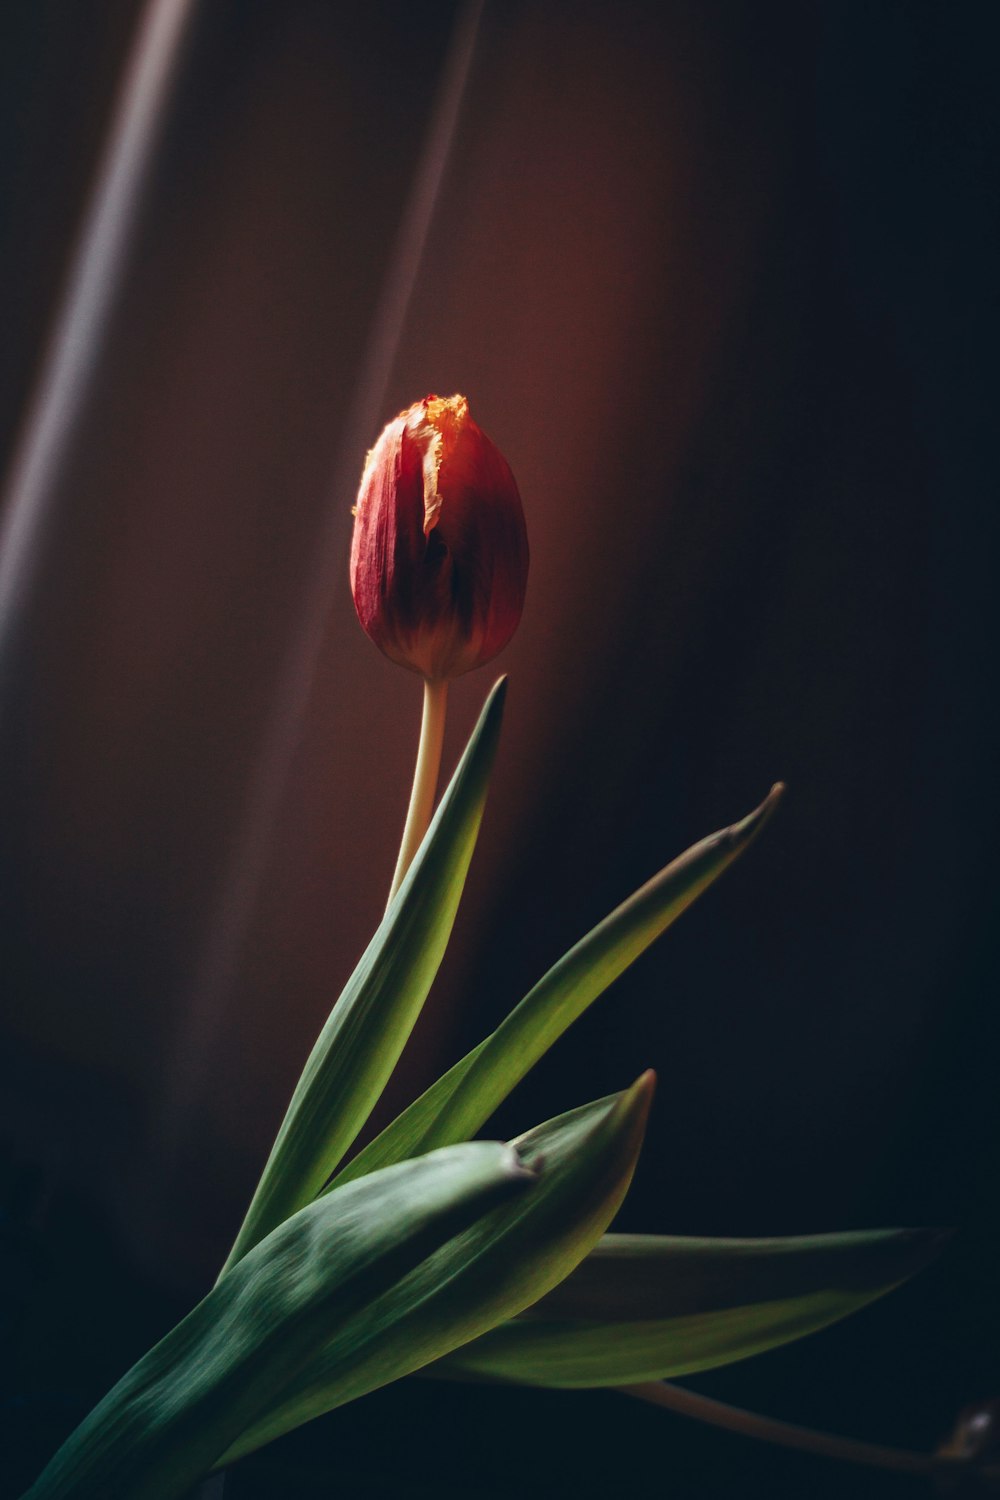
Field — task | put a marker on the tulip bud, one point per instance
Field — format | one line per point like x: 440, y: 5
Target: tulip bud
x: 439, y: 562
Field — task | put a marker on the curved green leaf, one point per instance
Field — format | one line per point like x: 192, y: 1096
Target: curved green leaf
x: 164, y: 1424
x: 644, y: 1307
x: 498, y: 1266
x: 368, y: 1027
x: 461, y: 1102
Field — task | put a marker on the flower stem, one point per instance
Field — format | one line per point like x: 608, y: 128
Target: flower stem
x: 425, y: 778
x: 786, y: 1434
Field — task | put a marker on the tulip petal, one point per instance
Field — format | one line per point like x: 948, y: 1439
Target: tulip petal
x: 439, y: 559
x: 645, y: 1307
x: 165, y: 1423
x: 368, y: 1027
x: 461, y: 1101
x: 499, y: 1265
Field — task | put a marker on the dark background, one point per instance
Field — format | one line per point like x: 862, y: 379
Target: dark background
x: 720, y: 281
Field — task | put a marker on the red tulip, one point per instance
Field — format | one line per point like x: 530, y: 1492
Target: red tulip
x: 439, y: 563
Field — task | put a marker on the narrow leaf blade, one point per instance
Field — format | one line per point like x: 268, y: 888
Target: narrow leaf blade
x: 167, y: 1420
x: 500, y: 1265
x: 461, y: 1102
x: 650, y: 1308
x: 368, y: 1027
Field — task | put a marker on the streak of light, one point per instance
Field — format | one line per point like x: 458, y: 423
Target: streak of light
x: 83, y: 318
x: 202, y: 1014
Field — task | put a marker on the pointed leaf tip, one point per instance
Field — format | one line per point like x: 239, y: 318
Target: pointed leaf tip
x: 635, y: 1103
x: 920, y: 1248
x: 497, y: 693
x: 775, y: 795
x: 640, y: 1095
x: 487, y: 730
x: 747, y: 828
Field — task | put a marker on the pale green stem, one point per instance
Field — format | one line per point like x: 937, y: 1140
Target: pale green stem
x: 425, y: 779
x: 787, y: 1434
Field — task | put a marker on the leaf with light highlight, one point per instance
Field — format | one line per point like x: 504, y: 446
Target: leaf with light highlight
x: 497, y: 1267
x: 461, y: 1102
x: 233, y: 1357
x: 368, y: 1027
x: 646, y: 1307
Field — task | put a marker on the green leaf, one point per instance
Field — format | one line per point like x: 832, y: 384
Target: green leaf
x: 368, y: 1027
x: 498, y: 1266
x: 165, y: 1423
x: 645, y: 1307
x: 460, y: 1103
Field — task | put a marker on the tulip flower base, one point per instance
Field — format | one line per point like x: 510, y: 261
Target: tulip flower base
x: 431, y: 1251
